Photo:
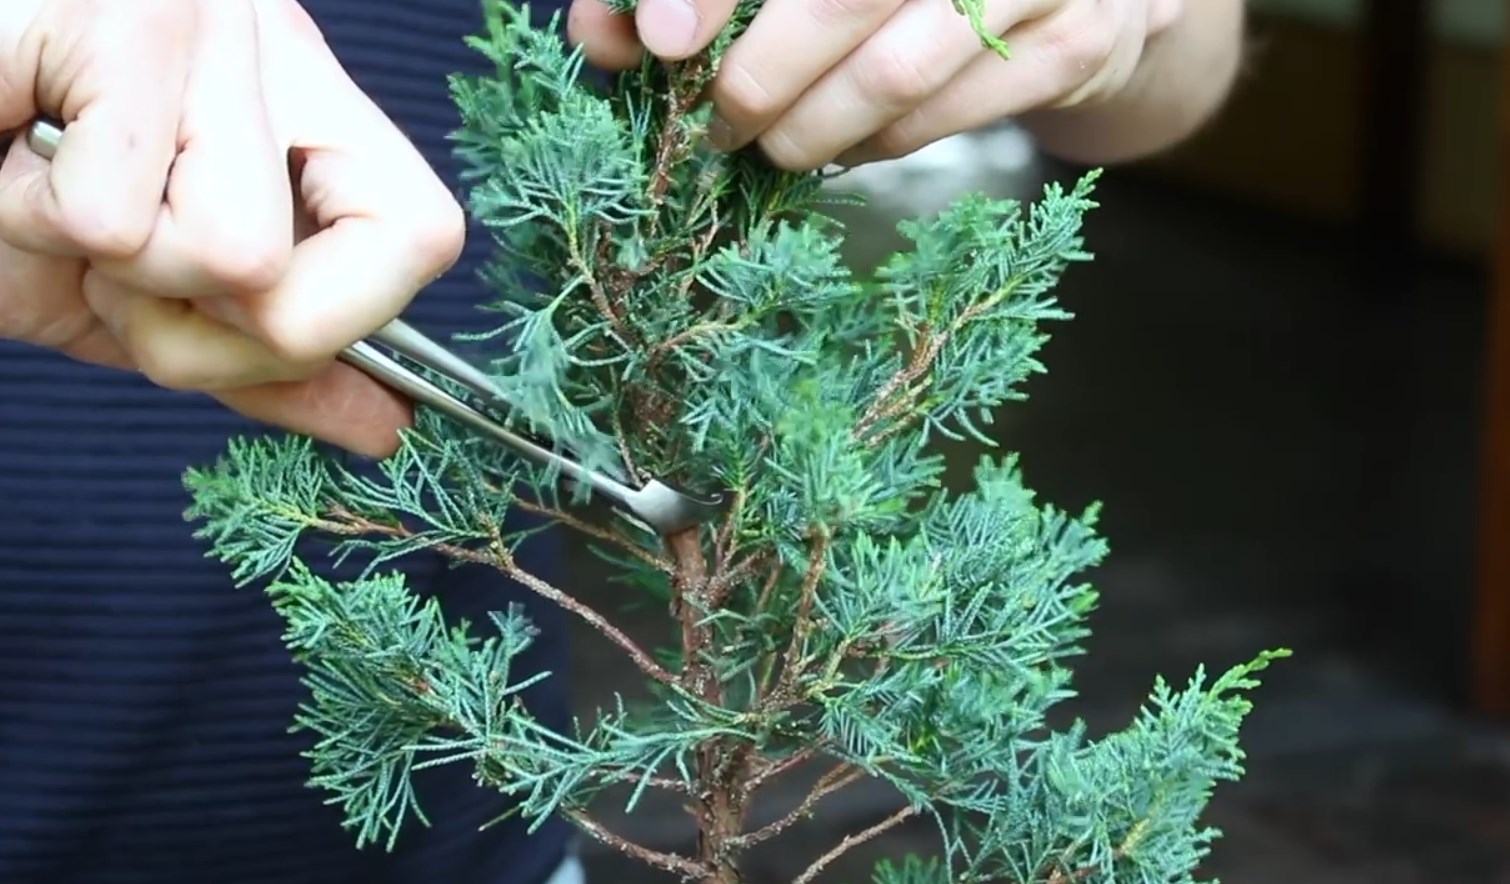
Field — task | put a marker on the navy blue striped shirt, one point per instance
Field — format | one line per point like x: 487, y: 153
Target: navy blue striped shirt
x: 145, y: 702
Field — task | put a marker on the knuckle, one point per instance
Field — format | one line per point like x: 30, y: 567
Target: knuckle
x: 116, y: 25
x: 170, y: 19
x: 121, y: 39
x: 245, y: 263
x: 785, y: 153
x: 842, y: 13
x: 295, y: 341
x: 740, y: 95
x: 113, y: 233
x: 1162, y: 14
x: 1080, y: 44
x: 892, y: 142
x: 439, y: 236
x: 895, y: 76
x: 167, y: 367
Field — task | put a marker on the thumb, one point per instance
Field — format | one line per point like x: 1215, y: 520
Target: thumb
x: 1162, y: 14
x: 340, y: 406
x: 677, y: 29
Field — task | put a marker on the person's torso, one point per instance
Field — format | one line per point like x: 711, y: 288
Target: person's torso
x: 145, y: 702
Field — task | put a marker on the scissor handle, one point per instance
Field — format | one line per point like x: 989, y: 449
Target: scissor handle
x: 42, y: 136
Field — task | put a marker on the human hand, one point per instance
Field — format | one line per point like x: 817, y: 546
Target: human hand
x: 226, y: 212
x: 854, y: 81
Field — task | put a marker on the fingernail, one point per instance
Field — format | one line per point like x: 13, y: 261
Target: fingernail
x: 720, y: 134
x: 667, y: 27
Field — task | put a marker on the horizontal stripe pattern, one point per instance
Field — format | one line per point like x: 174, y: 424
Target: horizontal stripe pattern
x: 145, y: 702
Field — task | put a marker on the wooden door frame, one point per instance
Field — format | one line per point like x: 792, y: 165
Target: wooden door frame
x: 1491, y: 611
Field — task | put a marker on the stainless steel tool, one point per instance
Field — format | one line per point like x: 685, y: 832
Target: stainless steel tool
x: 662, y: 508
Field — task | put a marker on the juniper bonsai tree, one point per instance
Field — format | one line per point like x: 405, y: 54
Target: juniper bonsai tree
x: 697, y: 324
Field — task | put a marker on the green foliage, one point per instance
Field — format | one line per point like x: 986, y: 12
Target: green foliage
x: 697, y: 324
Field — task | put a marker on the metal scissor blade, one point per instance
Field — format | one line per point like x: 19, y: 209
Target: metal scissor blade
x: 406, y: 340
x: 663, y: 509
x: 390, y: 372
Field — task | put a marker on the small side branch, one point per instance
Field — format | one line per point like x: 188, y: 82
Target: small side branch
x: 855, y: 840
x: 670, y: 862
x: 834, y: 780
x: 901, y: 392
x: 684, y: 94
x: 774, y: 769
x: 795, y: 658
x: 665, y: 784
x: 345, y: 522
x: 727, y: 580
x: 600, y: 296
x: 596, y: 532
x: 504, y: 561
x: 1064, y: 873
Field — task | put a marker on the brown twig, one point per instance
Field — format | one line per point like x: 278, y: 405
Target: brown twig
x: 855, y: 840
x: 774, y: 769
x: 621, y: 542
x: 600, y: 297
x: 792, y: 662
x: 916, y: 367
x: 659, y: 351
x: 682, y: 97
x: 726, y: 581
x: 624, y: 452
x: 723, y: 538
x: 700, y: 247
x: 689, y: 589
x: 504, y: 561
x: 1061, y: 875
x: 903, y: 388
x: 344, y: 521
x: 835, y: 779
x: 768, y: 591
x: 663, y: 783
x: 670, y: 862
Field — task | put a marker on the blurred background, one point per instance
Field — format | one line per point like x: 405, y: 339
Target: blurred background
x: 1289, y: 383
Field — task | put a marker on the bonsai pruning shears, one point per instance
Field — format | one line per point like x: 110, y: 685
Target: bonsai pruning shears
x: 656, y: 504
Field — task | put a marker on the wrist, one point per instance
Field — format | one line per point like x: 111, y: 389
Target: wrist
x: 1184, y: 76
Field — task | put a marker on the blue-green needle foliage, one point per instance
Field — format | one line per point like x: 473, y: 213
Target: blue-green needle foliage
x: 697, y: 323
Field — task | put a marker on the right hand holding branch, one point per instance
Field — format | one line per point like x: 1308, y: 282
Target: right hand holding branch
x: 226, y: 212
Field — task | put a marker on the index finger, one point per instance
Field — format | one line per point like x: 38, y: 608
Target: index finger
x: 114, y: 74
x: 224, y: 227
x: 789, y: 46
x: 383, y: 223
